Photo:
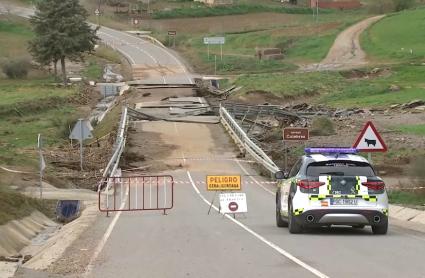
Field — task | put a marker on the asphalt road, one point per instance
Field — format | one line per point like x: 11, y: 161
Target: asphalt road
x: 190, y: 243
x: 151, y: 62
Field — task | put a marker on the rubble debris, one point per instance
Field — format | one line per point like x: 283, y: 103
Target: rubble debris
x: 176, y: 109
x: 26, y: 258
x: 413, y: 104
x: 110, y: 76
x: 394, y: 88
x: 9, y: 259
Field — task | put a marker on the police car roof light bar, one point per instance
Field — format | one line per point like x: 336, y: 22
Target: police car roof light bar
x: 331, y: 150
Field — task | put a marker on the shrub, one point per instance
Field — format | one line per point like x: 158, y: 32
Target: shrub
x: 400, y: 5
x: 322, y: 126
x: 15, y: 69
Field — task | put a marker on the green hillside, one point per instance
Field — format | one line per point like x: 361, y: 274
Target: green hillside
x: 398, y: 37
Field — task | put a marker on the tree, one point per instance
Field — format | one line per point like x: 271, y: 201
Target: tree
x: 61, y: 32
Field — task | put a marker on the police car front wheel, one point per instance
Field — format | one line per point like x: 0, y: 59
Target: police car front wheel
x: 279, y: 221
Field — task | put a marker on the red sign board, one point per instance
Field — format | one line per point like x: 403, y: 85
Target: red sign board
x: 369, y: 140
x: 296, y: 134
x: 172, y: 33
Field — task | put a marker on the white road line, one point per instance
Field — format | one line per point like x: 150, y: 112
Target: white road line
x: 254, y: 179
x: 160, y: 48
x: 104, y: 239
x: 261, y: 238
x: 130, y: 45
x: 128, y: 56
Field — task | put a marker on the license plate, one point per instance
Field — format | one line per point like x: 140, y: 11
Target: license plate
x: 343, y: 202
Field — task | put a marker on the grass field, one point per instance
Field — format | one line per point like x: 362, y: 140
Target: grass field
x: 398, y: 37
x: 375, y: 92
x: 26, y: 109
x: 412, y: 129
x: 290, y: 85
x: 14, y: 32
x: 406, y: 197
x: 301, y: 40
x: 200, y: 10
x: 331, y: 88
x: 28, y: 106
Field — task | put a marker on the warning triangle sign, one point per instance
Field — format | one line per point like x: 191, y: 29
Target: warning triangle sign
x: 369, y: 140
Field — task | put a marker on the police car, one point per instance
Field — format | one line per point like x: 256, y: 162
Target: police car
x: 331, y: 186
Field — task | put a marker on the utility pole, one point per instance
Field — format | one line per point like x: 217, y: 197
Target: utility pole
x: 317, y: 10
x: 215, y: 64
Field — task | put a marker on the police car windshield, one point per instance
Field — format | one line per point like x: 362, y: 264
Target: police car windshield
x: 339, y: 168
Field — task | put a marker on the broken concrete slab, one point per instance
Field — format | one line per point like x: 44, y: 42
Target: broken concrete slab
x: 188, y: 100
x: 196, y: 119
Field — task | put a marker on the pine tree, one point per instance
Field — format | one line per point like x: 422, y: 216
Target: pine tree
x: 61, y: 32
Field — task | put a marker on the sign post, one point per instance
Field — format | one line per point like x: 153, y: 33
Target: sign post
x: 81, y: 131
x: 294, y: 134
x: 172, y: 33
x: 97, y: 13
x: 369, y: 140
x: 215, y: 40
x: 42, y: 163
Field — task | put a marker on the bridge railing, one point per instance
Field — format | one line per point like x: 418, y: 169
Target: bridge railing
x: 118, y: 149
x: 244, y: 142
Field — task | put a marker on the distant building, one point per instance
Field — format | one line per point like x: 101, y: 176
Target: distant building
x: 336, y: 4
x: 216, y: 2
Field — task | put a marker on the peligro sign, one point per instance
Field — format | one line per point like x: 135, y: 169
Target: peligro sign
x: 223, y: 183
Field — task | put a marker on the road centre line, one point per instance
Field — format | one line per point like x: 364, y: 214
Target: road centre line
x: 261, y: 238
x: 120, y: 50
x: 160, y: 48
x: 126, y: 43
x: 138, y: 48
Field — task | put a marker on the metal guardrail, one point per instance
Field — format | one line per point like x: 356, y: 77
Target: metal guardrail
x: 244, y: 142
x: 118, y: 148
x: 238, y: 109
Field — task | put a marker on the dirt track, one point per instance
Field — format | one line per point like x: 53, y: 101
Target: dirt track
x: 346, y: 52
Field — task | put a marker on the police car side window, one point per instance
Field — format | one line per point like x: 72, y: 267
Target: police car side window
x: 294, y: 171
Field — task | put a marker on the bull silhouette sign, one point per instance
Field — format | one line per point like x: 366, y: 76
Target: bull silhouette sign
x: 369, y: 140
